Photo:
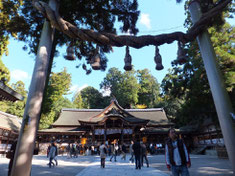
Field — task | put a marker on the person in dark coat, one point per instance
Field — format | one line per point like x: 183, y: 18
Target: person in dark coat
x: 124, y: 151
x: 137, y: 152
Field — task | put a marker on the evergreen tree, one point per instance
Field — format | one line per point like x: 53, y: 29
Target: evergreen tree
x: 58, y: 85
x: 91, y: 98
x: 149, y: 88
x: 77, y: 101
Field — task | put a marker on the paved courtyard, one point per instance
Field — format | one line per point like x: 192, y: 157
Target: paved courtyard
x: 90, y: 166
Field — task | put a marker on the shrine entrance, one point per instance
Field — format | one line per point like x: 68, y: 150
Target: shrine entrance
x: 111, y: 137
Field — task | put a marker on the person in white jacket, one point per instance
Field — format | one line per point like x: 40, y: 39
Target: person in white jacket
x: 103, y: 153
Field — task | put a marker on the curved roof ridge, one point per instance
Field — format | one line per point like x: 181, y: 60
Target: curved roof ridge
x: 145, y: 110
x: 9, y: 115
x: 82, y: 110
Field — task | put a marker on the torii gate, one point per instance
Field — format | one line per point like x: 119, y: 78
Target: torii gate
x: 25, y: 146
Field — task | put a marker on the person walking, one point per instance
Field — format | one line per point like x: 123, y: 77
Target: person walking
x: 131, y: 152
x: 51, y: 154
x: 68, y: 151
x: 144, y: 155
x: 56, y: 153
x: 123, y: 151
x: 177, y: 157
x: 137, y: 152
x: 115, y: 150
x: 103, y: 152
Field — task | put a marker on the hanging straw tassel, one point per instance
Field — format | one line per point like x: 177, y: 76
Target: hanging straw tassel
x: 70, y: 53
x: 181, y: 56
x: 95, y: 61
x: 158, y: 59
x: 127, y: 60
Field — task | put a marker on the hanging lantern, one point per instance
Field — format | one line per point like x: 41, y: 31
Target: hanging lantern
x: 127, y: 60
x: 158, y: 59
x: 181, y: 57
x: 95, y: 61
x: 70, y: 53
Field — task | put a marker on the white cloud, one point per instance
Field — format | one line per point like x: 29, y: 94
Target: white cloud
x: 19, y: 75
x: 82, y: 87
x: 145, y: 20
x: 75, y: 88
x: 105, y: 92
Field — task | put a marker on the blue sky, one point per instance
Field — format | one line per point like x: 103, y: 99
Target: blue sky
x: 157, y: 17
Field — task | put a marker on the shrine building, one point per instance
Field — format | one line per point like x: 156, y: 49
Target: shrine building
x: 113, y: 122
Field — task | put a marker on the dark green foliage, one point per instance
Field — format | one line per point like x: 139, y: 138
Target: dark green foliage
x: 99, y: 15
x: 149, y: 88
x: 132, y: 88
x: 15, y: 108
x: 123, y: 86
x: 4, y: 73
x: 91, y: 98
x: 189, y: 82
x: 58, y: 85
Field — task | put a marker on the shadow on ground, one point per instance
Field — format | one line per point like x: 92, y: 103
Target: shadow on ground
x: 202, y: 165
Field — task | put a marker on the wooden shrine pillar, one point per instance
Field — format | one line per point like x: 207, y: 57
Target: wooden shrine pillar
x: 105, y: 132
x: 122, y: 133
x: 93, y: 134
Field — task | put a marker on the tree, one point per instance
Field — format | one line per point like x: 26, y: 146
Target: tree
x: 77, y: 101
x: 9, y: 18
x: 123, y: 86
x: 149, y: 88
x: 15, y: 108
x: 97, y: 16
x: 58, y: 85
x: 4, y: 73
x: 21, y: 18
x: 189, y: 82
x: 91, y: 98
x: 129, y: 89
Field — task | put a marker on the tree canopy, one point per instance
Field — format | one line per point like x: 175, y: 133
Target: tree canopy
x: 187, y: 84
x: 58, y: 85
x: 97, y: 20
x: 15, y: 108
x: 131, y: 87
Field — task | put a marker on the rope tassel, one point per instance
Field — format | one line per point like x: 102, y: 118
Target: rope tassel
x: 181, y: 56
x: 158, y: 59
x: 70, y: 53
x: 95, y: 61
x: 127, y: 60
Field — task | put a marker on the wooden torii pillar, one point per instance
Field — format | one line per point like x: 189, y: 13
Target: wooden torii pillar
x: 26, y: 140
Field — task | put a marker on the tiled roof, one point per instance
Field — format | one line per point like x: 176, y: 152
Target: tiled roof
x: 71, y: 117
x: 64, y: 130
x: 7, y: 93
x: 10, y: 122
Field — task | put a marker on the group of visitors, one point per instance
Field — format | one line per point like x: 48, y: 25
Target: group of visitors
x: 177, y: 157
